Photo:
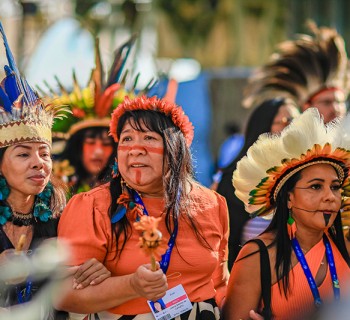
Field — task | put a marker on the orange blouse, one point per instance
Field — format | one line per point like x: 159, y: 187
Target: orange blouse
x: 85, y: 223
x: 300, y: 299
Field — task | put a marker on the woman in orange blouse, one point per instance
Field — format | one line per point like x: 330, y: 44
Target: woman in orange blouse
x: 154, y: 178
x: 301, y: 177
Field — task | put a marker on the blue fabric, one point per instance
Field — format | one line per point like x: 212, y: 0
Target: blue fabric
x: 229, y: 149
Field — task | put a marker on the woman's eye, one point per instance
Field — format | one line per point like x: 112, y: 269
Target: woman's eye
x: 316, y: 186
x: 124, y: 139
x: 336, y: 187
x: 107, y: 144
x: 22, y: 155
x: 150, y: 138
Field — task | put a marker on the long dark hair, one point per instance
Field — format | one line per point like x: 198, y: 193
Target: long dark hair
x: 259, y: 122
x: 278, y: 225
x: 74, y: 151
x: 177, y: 168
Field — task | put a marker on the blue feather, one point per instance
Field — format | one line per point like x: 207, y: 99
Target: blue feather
x: 11, y: 61
x: 5, y: 101
x: 11, y: 87
x: 29, y: 92
x: 119, y: 214
x: 9, y: 55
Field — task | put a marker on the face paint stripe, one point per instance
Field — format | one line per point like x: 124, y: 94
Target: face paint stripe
x: 326, y: 218
x: 138, y: 176
x: 148, y: 149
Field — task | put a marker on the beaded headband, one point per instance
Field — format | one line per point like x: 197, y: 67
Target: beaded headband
x: 24, y: 117
x: 164, y: 106
x: 273, y: 159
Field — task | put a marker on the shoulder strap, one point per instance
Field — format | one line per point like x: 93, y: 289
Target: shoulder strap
x: 265, y: 278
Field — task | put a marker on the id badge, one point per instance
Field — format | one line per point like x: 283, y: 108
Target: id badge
x: 174, y: 303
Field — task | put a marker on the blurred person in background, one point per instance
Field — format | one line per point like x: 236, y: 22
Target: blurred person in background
x: 271, y: 116
x: 228, y: 151
x: 313, y: 70
x: 87, y: 158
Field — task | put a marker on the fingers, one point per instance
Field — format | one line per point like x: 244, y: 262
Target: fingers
x: 91, y: 272
x: 151, y: 285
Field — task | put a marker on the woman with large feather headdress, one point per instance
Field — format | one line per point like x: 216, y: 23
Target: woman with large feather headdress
x: 31, y: 199
x: 311, y: 70
x: 301, y: 262
x: 88, y: 155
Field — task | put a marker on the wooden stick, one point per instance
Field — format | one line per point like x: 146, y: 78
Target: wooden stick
x: 20, y: 243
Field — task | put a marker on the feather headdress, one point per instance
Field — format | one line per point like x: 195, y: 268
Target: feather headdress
x: 165, y: 105
x: 301, y: 68
x: 24, y: 117
x: 273, y: 159
x: 91, y: 106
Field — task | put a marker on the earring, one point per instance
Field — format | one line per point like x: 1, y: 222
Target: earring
x: 5, y: 212
x: 4, y: 189
x: 291, y: 226
x: 115, y: 171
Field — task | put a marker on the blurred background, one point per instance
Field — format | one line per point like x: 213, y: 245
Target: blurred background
x: 209, y: 46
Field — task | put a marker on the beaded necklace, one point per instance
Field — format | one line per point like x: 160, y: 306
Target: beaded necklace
x: 41, y: 209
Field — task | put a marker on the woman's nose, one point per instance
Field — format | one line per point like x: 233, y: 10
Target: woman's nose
x: 137, y: 149
x: 38, y: 162
x: 98, y: 148
x: 329, y: 194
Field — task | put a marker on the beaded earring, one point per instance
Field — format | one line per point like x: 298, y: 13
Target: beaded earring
x: 291, y: 226
x: 5, y: 212
x: 115, y: 171
x: 42, y: 204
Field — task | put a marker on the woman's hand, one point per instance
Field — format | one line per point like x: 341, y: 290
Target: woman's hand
x: 149, y: 284
x: 91, y: 272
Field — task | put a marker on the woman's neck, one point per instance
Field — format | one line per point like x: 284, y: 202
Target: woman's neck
x: 152, y: 195
x: 308, y: 238
x: 21, y: 204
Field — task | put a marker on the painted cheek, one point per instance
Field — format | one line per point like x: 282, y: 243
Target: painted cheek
x: 149, y: 149
x: 90, y: 148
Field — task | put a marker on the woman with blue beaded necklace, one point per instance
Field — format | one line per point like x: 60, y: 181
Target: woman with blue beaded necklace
x: 31, y: 199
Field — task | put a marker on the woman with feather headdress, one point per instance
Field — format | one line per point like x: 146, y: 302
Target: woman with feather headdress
x: 87, y: 158
x: 31, y: 199
x: 301, y: 262
x: 311, y: 70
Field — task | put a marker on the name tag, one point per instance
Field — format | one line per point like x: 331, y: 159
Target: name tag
x: 174, y: 303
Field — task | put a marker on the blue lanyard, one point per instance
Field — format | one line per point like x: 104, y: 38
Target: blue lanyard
x: 332, y: 269
x: 164, y: 263
x: 26, y: 295
x: 312, y: 284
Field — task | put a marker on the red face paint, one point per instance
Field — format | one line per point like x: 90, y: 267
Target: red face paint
x: 148, y: 149
x: 138, y: 177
